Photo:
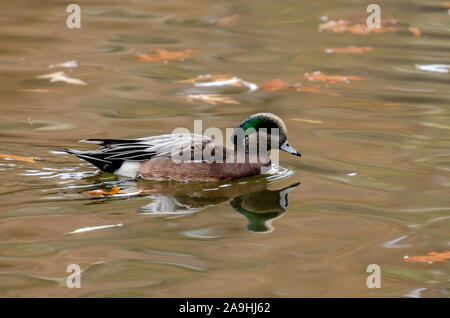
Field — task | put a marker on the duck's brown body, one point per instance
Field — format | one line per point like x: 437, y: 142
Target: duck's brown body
x: 164, y: 168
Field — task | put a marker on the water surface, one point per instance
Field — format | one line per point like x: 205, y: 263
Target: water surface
x: 371, y: 187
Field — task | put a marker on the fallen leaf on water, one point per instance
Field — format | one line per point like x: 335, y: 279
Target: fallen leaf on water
x: 332, y: 79
x: 316, y: 90
x: 212, y: 99
x: 93, y: 228
x: 147, y: 191
x: 18, y: 158
x: 161, y: 55
x: 341, y: 26
x: 415, y: 31
x: 433, y: 68
x: 36, y: 90
x: 114, y: 190
x: 220, y: 81
x: 384, y: 29
x: 430, y: 257
x: 68, y: 64
x: 349, y: 49
x: 310, y: 121
x: 62, y: 77
x: 338, y: 26
x: 359, y: 29
x: 228, y: 19
x: 206, y: 77
x: 274, y: 85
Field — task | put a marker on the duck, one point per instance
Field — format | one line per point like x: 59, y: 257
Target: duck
x: 181, y: 156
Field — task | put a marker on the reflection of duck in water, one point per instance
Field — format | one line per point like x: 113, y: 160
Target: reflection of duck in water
x: 260, y: 200
x: 262, y: 207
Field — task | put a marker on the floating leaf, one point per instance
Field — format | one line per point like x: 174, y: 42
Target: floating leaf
x: 114, y: 190
x: 433, y: 68
x: 161, y: 55
x: 384, y: 29
x: 332, y: 79
x: 221, y: 80
x: 274, y: 85
x: 69, y: 64
x: 310, y: 121
x: 212, y: 99
x: 334, y: 26
x: 94, y: 228
x: 62, y: 77
x: 226, y: 20
x: 430, y: 257
x: 349, y: 49
x: 18, y: 158
x: 36, y: 90
x: 341, y: 26
x: 316, y: 90
x: 415, y: 31
x: 206, y: 77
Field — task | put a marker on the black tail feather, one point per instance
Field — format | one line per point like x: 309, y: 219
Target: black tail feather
x: 97, y: 159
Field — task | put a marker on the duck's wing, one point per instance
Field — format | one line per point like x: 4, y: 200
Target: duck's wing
x: 114, y: 152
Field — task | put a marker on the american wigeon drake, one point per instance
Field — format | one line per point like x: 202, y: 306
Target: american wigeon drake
x: 152, y: 157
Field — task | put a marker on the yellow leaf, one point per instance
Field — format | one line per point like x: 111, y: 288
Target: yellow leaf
x: 207, y: 77
x: 18, y: 158
x: 212, y: 99
x: 310, y: 121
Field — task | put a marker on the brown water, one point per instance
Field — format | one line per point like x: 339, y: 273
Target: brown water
x: 371, y: 187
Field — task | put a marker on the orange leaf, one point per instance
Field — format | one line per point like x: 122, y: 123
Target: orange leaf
x: 212, y: 99
x: 384, y: 29
x: 332, y: 79
x: 114, y: 190
x: 415, y: 31
x: 164, y: 55
x: 228, y: 19
x: 274, y: 85
x: 446, y: 4
x: 18, y: 158
x: 341, y: 26
x: 359, y: 29
x: 349, y: 49
x: 315, y: 90
x: 430, y: 257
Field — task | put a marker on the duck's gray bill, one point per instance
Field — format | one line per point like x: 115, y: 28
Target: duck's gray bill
x: 286, y: 147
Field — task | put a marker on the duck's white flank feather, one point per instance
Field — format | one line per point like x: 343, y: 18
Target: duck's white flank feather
x: 128, y: 169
